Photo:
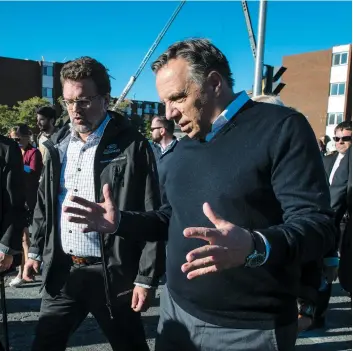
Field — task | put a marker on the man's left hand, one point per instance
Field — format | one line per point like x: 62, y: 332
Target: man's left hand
x: 229, y: 246
x: 141, y: 298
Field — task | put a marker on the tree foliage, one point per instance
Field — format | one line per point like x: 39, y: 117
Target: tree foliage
x: 26, y: 110
x: 8, y: 118
x: 22, y: 112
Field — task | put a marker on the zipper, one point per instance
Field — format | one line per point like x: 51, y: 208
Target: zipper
x: 101, y: 246
x: 119, y: 175
x: 49, y: 145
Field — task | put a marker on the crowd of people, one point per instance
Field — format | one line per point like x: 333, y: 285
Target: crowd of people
x: 238, y: 213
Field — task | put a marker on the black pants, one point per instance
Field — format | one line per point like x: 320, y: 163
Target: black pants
x: 64, y: 308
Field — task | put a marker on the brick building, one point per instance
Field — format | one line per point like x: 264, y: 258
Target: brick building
x: 23, y: 79
x: 319, y: 84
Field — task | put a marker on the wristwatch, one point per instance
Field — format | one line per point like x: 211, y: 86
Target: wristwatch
x: 306, y: 309
x: 258, y: 257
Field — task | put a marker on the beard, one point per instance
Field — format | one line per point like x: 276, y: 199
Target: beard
x: 83, y: 128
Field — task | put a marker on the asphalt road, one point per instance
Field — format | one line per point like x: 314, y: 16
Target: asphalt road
x: 23, y: 310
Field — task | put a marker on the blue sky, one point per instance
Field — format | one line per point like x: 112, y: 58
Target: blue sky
x: 120, y: 33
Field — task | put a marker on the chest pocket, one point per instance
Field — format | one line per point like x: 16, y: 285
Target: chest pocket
x: 117, y: 172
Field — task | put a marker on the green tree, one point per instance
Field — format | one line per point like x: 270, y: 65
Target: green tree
x: 121, y: 106
x: 26, y: 110
x: 8, y: 118
x: 147, y: 128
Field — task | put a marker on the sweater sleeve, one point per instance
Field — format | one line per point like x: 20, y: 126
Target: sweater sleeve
x: 300, y: 185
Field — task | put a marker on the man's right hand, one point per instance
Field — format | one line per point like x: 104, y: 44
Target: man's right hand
x: 98, y: 217
x: 31, y: 267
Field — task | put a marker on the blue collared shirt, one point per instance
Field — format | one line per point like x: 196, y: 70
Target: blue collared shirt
x: 232, y: 109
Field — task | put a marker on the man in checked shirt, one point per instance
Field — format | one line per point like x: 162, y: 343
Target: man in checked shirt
x: 87, y: 272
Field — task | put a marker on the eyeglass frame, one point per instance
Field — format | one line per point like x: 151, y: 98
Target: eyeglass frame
x: 69, y: 104
x: 342, y: 138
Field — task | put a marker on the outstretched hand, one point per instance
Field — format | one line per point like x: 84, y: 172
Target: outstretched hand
x: 228, y: 246
x: 98, y: 217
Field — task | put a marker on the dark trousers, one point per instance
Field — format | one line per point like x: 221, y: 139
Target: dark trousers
x: 180, y: 331
x: 81, y: 292
x: 322, y: 302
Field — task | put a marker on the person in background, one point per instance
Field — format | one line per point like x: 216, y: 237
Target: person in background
x: 341, y: 203
x: 46, y: 117
x: 322, y: 147
x: 12, y: 202
x: 343, y: 140
x: 164, y: 143
x: 32, y: 161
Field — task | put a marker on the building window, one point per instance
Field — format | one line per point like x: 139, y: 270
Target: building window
x: 156, y: 105
x: 340, y: 59
x: 47, y: 71
x: 47, y: 92
x: 147, y: 108
x: 337, y: 88
x: 334, y: 118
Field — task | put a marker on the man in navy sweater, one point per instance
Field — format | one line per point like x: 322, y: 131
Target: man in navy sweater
x: 246, y: 203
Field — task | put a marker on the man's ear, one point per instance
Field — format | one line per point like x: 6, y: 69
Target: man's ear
x: 216, y: 82
x: 106, y: 101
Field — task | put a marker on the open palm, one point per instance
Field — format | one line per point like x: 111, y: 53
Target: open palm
x: 98, y: 217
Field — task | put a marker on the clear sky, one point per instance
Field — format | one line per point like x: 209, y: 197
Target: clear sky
x: 120, y: 33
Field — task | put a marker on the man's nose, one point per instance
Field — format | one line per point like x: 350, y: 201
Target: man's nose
x: 75, y: 106
x: 171, y: 112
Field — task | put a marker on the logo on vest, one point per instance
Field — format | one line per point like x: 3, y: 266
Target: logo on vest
x: 111, y: 149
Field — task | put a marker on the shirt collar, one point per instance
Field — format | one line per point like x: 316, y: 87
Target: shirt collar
x: 232, y: 109
x: 167, y: 147
x: 97, y: 134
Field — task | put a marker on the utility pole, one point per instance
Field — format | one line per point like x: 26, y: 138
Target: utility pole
x: 260, y: 48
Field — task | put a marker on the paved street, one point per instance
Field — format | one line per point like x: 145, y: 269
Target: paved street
x: 23, y: 306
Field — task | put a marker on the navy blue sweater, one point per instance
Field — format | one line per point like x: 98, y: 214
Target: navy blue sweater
x: 262, y: 171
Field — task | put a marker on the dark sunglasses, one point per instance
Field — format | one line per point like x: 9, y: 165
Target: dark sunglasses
x: 17, y: 139
x: 344, y: 138
x: 152, y: 129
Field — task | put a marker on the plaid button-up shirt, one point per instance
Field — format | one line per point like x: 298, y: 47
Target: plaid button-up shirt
x: 77, y: 178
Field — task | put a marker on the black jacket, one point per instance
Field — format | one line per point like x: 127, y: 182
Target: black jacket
x: 329, y: 161
x: 12, y: 196
x: 341, y: 203
x: 125, y: 161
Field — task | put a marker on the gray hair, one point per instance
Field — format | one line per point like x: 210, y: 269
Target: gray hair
x: 270, y: 99
x: 202, y: 56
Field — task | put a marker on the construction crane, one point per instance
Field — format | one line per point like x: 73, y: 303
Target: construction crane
x: 148, y: 55
x: 244, y: 5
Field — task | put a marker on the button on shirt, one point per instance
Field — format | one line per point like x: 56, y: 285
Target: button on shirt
x: 77, y: 178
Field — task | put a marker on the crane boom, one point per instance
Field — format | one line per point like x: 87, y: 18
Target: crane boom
x: 244, y: 5
x: 148, y: 55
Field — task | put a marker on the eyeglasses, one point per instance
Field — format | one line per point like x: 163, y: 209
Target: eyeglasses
x: 344, y: 138
x: 82, y: 103
x: 152, y: 129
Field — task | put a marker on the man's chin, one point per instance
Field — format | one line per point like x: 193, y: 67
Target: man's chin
x: 82, y: 129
